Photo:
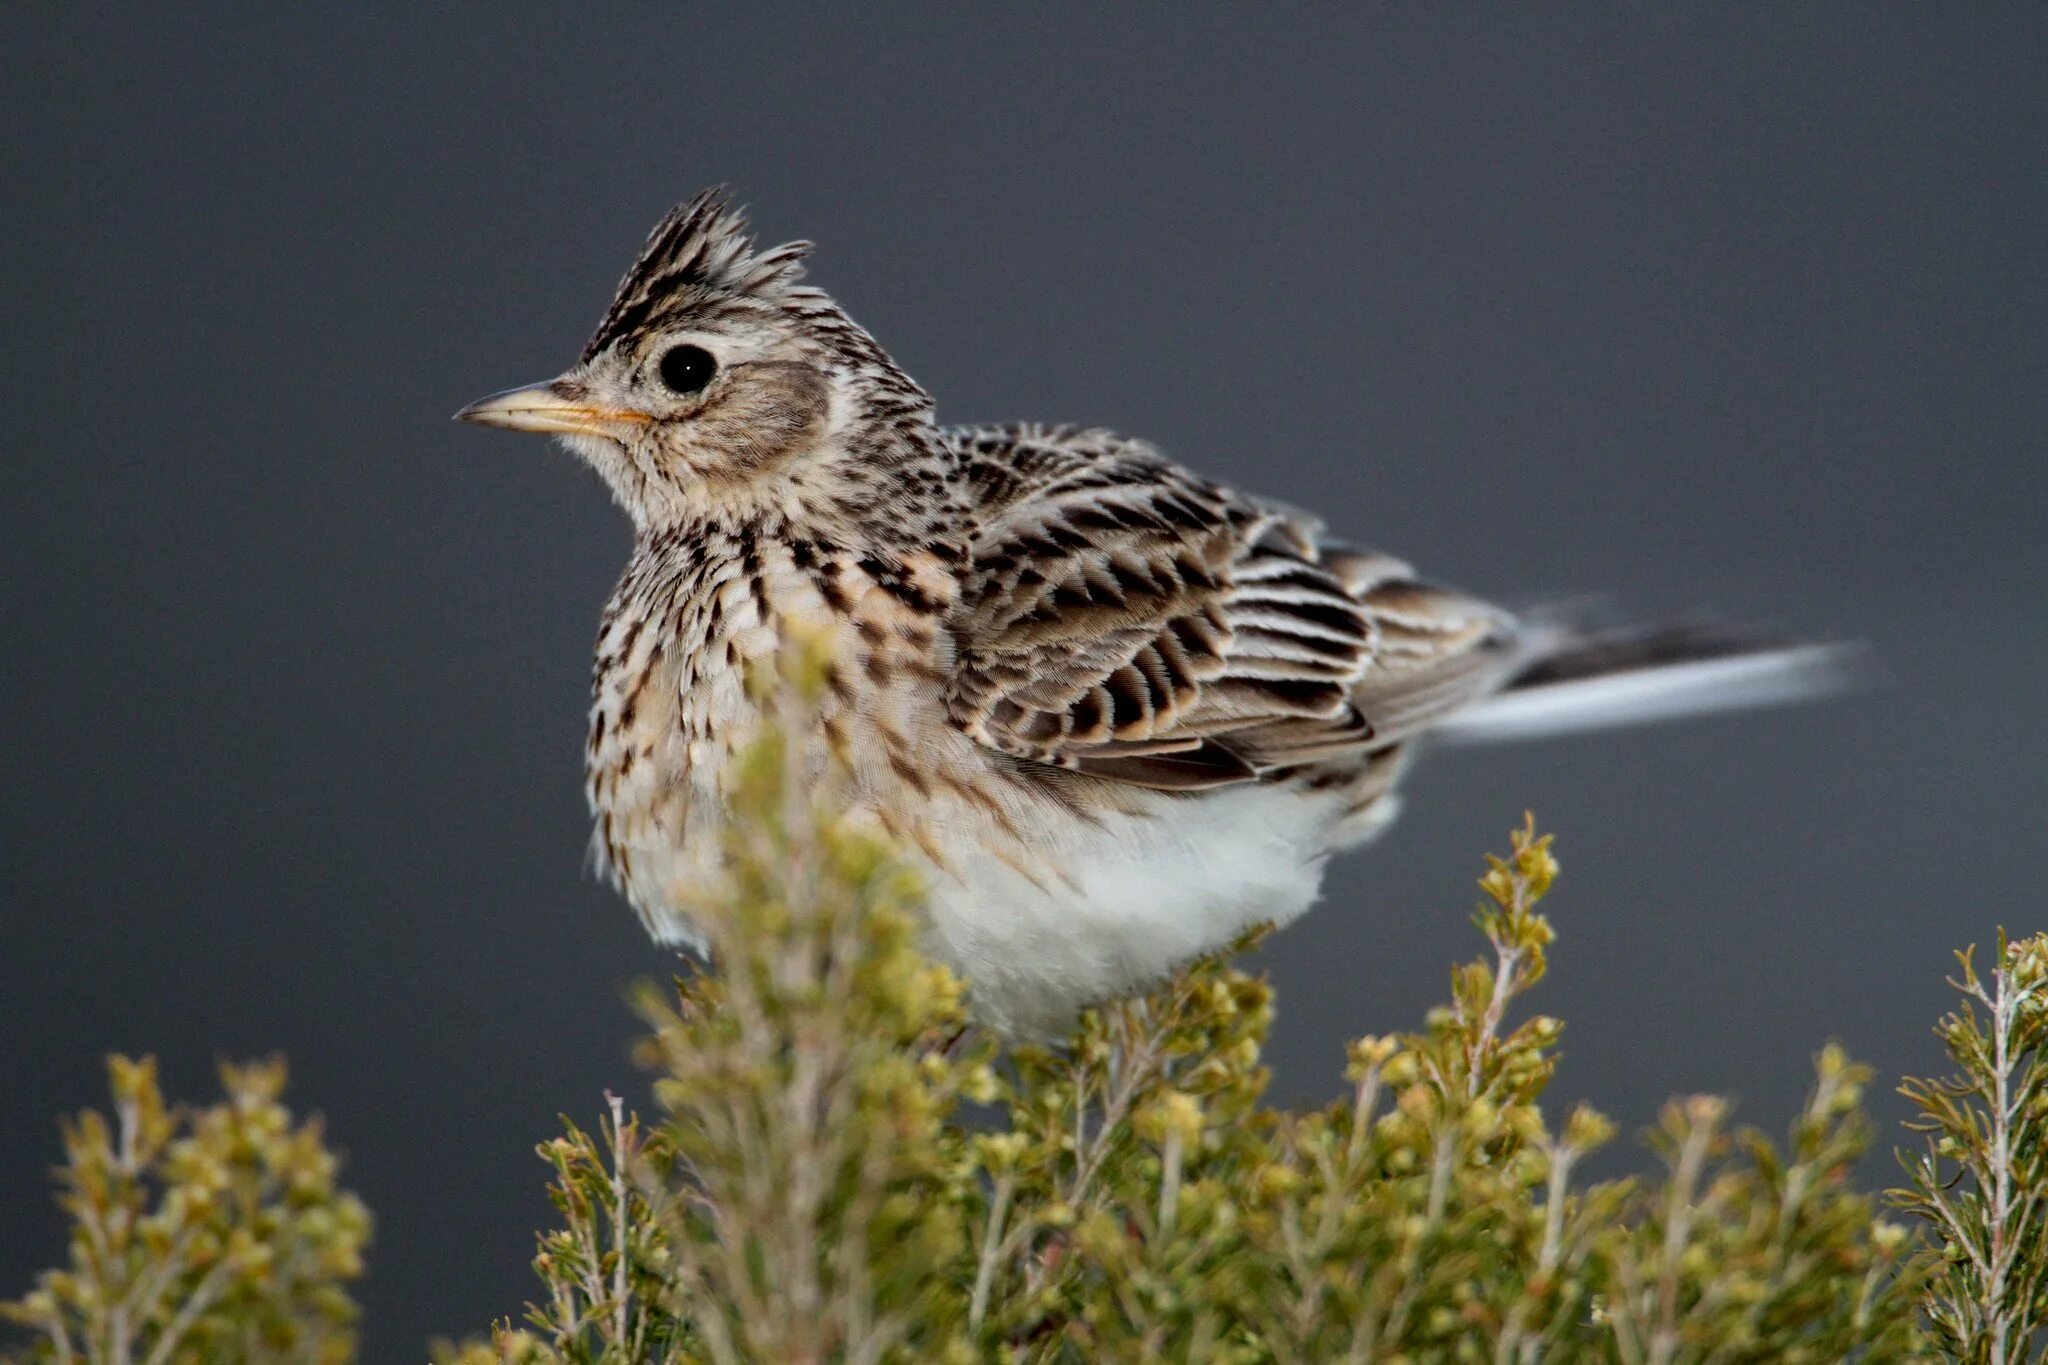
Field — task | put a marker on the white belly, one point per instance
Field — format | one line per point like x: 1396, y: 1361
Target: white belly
x: 1140, y: 896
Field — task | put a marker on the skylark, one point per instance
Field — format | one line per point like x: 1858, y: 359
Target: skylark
x: 1122, y: 711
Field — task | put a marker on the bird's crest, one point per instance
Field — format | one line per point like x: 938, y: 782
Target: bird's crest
x: 700, y: 256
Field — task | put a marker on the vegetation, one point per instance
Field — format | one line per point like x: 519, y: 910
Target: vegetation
x: 211, y: 1236
x: 841, y: 1169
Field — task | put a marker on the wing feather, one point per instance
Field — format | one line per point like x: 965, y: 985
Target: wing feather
x: 1125, y: 618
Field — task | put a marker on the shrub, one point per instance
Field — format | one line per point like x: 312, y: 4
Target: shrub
x: 842, y: 1169
x: 818, y: 1192
x: 215, y: 1235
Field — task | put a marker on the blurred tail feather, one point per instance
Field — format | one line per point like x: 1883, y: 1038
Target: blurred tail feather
x: 1578, y: 680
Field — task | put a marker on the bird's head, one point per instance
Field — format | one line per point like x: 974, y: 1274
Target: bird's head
x: 720, y: 386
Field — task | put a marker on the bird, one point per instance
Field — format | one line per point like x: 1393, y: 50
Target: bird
x: 1118, y: 713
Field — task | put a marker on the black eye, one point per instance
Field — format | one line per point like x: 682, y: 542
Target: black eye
x: 687, y: 369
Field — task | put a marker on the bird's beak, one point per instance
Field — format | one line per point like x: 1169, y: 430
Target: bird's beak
x: 557, y: 406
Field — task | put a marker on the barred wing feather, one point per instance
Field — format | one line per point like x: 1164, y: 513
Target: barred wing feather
x: 1124, y: 618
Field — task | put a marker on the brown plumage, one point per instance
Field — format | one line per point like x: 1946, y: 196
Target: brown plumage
x: 1124, y: 618
x: 1121, y: 711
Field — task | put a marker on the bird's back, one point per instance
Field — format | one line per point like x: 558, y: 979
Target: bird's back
x: 1123, y: 617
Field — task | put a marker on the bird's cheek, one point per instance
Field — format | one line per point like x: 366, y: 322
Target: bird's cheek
x: 762, y: 428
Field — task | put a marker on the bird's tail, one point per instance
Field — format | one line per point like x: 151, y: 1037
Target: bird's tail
x: 1574, y: 678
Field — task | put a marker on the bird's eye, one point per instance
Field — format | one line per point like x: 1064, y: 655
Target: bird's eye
x: 687, y: 369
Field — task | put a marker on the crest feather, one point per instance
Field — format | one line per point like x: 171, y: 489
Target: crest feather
x: 702, y: 251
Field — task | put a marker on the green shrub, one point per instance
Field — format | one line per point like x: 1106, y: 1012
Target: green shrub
x: 818, y: 1192
x: 199, y: 1237
x: 1981, y: 1183
x: 842, y: 1169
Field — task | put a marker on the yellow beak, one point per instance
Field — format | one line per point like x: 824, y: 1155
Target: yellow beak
x: 552, y: 407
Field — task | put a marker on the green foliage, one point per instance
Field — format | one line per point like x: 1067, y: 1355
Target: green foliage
x: 1982, y: 1181
x: 816, y: 1191
x: 198, y: 1237
x: 843, y: 1169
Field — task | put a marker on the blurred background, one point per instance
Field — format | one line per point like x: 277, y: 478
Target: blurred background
x: 1740, y: 308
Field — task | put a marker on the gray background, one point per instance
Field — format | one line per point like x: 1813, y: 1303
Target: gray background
x: 1737, y: 307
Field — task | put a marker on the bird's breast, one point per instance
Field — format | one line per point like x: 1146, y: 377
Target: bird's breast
x: 689, y: 625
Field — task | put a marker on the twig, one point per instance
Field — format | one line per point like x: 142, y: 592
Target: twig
x: 991, y: 1248
x: 621, y: 1228
x: 1692, y: 1155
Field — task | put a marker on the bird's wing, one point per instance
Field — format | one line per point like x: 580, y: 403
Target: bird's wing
x: 1124, y: 618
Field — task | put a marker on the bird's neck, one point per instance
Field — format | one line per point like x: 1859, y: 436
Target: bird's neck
x: 870, y: 490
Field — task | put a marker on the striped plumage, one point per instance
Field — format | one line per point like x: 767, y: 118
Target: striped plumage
x: 1123, y: 618
x: 1121, y: 711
